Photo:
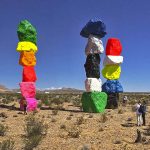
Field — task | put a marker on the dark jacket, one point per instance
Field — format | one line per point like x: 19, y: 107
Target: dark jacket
x: 143, y: 108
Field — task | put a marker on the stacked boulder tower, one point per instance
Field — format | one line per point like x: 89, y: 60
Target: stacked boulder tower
x: 27, y: 47
x: 93, y: 100
x: 112, y: 70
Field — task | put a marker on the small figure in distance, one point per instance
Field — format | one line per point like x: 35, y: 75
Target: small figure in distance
x: 125, y: 99
x: 24, y: 106
x: 143, y: 110
x: 139, y: 113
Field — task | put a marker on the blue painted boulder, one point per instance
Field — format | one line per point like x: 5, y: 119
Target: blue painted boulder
x: 94, y: 27
x: 112, y: 86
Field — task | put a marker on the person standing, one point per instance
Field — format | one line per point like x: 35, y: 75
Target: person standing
x: 125, y: 99
x: 25, y: 106
x: 138, y: 114
x: 143, y: 108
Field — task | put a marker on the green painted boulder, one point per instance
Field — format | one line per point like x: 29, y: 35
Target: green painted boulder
x: 26, y: 32
x: 94, y: 101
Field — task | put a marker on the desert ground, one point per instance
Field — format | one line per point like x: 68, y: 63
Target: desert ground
x: 69, y: 128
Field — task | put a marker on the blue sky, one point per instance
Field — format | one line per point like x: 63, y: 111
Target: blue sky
x: 61, y: 58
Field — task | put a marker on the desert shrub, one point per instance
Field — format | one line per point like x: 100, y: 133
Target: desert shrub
x: 80, y: 120
x: 3, y: 129
x: 69, y: 118
x: 120, y: 111
x: 134, y: 108
x: 104, y: 118
x: 62, y: 126
x: 45, y: 102
x: 54, y: 112
x: 32, y: 142
x: 34, y: 126
x: 42, y: 96
x: 7, y: 145
x: 39, y: 104
x: 76, y: 102
x: 57, y: 101
x: 34, y: 129
x: 147, y: 132
x: 60, y: 107
x: 5, y: 101
x: 132, y: 102
x: 3, y: 115
x: 74, y: 132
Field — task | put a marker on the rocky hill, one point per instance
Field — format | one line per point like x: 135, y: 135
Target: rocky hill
x: 3, y: 88
x: 63, y: 90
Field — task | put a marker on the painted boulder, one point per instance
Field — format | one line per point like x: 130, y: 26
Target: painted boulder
x: 93, y: 59
x: 94, y: 101
x: 27, y: 58
x: 28, y: 89
x: 111, y: 72
x: 31, y: 104
x: 26, y: 46
x: 27, y: 32
x: 92, y: 70
x: 112, y: 86
x: 94, y: 45
x: 112, y: 60
x: 93, y: 84
x: 113, y: 47
x: 94, y: 27
x: 29, y: 74
x: 92, y: 66
x: 112, y: 100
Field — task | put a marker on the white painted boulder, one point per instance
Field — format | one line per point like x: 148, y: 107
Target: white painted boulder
x: 93, y: 84
x: 112, y: 60
x: 94, y: 45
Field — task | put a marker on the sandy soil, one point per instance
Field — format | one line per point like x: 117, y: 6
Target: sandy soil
x: 94, y: 134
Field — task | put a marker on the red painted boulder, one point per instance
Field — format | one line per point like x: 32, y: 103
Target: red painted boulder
x: 113, y: 47
x: 29, y: 74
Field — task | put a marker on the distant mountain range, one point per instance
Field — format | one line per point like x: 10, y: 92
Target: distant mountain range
x: 3, y: 88
x: 60, y: 90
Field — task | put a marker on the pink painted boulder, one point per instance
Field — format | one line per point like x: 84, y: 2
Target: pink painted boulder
x: 31, y: 104
x: 28, y: 89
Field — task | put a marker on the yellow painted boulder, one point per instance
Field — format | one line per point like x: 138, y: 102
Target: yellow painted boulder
x: 26, y: 46
x: 111, y: 72
x: 27, y: 58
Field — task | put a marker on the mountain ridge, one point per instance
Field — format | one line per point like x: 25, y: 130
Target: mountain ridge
x: 60, y: 90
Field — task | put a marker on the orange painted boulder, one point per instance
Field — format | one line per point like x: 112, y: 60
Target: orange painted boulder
x: 29, y: 74
x: 27, y: 59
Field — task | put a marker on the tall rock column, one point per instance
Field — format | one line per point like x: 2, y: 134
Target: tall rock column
x: 112, y: 70
x: 93, y: 100
x: 27, y: 47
